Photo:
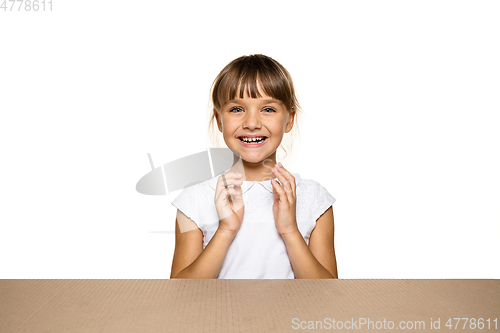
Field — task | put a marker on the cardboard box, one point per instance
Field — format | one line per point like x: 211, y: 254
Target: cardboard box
x: 185, y: 305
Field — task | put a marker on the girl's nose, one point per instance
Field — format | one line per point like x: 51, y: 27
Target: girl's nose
x: 251, y: 120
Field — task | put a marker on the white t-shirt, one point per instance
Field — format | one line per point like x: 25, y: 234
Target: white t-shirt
x: 257, y: 251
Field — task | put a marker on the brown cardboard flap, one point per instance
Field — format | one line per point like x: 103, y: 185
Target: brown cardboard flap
x: 185, y: 305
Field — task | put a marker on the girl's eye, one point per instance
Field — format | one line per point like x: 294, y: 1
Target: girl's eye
x: 238, y: 110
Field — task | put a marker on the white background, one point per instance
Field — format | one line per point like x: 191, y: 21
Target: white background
x: 401, y: 126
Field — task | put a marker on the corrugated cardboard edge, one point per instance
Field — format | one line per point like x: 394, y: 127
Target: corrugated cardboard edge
x: 184, y: 305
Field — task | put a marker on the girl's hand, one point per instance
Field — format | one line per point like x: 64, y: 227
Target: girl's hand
x: 284, y: 201
x: 230, y: 210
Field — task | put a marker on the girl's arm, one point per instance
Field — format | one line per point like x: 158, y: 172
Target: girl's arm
x: 190, y: 260
x: 318, y: 260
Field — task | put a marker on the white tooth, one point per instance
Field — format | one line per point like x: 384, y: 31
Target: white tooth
x: 253, y: 139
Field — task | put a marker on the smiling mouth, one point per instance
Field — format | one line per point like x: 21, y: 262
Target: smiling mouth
x: 253, y: 140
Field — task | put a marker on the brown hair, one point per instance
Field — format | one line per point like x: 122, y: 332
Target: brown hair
x: 246, y: 73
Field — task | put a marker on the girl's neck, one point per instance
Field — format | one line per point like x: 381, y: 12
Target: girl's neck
x: 260, y: 171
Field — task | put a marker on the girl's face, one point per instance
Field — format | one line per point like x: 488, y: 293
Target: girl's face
x: 263, y: 119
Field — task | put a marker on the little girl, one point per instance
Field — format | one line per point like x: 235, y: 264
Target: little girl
x: 257, y: 220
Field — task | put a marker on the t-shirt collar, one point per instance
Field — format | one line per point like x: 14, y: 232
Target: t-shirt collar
x: 248, y: 184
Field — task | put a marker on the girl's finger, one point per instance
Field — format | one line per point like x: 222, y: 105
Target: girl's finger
x: 275, y: 192
x: 287, y: 184
x: 229, y: 176
x: 230, y: 191
x: 287, y: 173
x: 290, y: 179
x: 224, y: 181
x: 281, y: 193
x: 236, y: 203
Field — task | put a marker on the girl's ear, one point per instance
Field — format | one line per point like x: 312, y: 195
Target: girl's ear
x: 219, y: 123
x: 289, y: 124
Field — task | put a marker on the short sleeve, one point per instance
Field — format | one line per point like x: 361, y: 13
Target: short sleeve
x: 323, y: 201
x: 186, y: 203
